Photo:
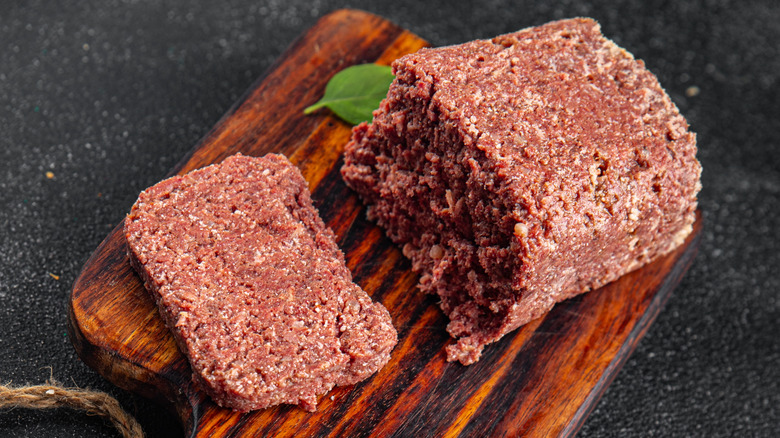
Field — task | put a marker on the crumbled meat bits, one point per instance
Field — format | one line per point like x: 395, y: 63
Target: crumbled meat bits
x: 520, y: 171
x: 252, y: 285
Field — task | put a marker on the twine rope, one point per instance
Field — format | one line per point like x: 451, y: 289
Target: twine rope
x: 51, y: 395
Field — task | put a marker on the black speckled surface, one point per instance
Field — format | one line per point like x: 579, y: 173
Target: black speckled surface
x: 98, y: 99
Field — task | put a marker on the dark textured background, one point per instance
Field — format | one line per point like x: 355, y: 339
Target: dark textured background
x: 108, y: 95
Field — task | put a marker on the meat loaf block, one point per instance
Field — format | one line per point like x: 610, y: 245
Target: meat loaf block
x: 523, y: 170
x: 252, y: 285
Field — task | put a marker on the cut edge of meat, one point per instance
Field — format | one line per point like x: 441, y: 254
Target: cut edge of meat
x: 361, y: 330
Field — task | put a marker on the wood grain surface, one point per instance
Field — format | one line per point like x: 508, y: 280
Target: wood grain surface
x: 541, y: 380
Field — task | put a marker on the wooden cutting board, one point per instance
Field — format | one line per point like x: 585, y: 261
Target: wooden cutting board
x: 541, y: 380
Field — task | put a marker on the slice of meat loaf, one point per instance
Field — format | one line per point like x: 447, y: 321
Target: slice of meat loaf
x: 252, y: 285
x: 520, y: 171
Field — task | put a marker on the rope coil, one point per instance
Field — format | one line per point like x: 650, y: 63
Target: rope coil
x: 51, y: 395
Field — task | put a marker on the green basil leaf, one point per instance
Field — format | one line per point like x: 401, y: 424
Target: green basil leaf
x: 355, y: 92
